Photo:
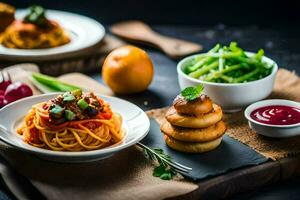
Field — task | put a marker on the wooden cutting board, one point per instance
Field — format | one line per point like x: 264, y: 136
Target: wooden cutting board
x: 21, y: 72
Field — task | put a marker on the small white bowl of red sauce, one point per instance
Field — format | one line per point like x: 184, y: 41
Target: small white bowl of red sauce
x: 274, y: 118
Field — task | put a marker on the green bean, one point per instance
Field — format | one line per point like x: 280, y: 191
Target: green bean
x: 246, y: 76
x: 215, y: 48
x: 201, y: 63
x: 227, y: 55
x: 53, y: 83
x: 227, y: 78
x: 217, y: 74
x: 204, y: 69
x: 259, y: 54
x: 203, y: 59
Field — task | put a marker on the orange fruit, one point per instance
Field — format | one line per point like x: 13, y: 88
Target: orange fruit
x: 127, y: 70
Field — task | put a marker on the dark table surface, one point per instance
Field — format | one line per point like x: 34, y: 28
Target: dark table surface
x: 280, y: 44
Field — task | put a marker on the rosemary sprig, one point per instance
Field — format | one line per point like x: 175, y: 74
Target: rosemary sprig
x: 163, y: 170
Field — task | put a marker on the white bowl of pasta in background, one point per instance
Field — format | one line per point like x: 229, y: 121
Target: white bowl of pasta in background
x: 136, y: 125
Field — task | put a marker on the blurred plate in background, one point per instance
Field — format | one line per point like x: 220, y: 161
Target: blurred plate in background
x: 85, y: 33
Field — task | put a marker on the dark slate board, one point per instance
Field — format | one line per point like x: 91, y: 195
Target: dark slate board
x: 230, y: 155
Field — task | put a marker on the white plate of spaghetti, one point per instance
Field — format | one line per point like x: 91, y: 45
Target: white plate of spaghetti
x: 73, y: 126
x: 62, y: 34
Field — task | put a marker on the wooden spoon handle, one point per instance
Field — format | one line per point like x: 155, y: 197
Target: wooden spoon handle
x: 139, y: 32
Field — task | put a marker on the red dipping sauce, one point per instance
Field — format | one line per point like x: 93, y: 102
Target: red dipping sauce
x: 277, y: 115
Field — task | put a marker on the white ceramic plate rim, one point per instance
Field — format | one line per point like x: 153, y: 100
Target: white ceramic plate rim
x: 67, y: 20
x: 269, y: 102
x: 264, y: 58
x: 107, y: 150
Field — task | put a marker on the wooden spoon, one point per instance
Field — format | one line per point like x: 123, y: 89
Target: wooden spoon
x: 140, y: 32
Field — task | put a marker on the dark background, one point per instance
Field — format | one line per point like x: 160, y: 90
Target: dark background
x: 186, y: 12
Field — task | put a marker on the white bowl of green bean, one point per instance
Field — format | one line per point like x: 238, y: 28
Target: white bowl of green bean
x: 231, y: 77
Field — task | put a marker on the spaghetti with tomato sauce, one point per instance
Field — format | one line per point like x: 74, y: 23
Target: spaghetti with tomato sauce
x: 21, y: 35
x: 72, y: 122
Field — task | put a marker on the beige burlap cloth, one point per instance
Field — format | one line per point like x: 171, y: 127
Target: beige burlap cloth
x: 287, y: 86
x: 126, y: 175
